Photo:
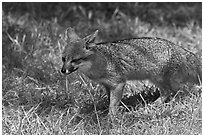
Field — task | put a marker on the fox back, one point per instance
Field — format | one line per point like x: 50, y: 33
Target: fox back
x: 112, y: 63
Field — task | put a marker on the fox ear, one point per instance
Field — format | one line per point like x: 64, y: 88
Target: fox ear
x: 71, y: 35
x: 91, y: 38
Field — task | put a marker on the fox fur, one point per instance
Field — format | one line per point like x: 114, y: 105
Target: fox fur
x: 111, y: 64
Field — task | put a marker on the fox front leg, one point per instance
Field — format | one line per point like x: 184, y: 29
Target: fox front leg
x: 115, y: 97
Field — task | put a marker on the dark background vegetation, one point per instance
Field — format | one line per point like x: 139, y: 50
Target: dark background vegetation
x: 154, y: 13
x: 31, y: 53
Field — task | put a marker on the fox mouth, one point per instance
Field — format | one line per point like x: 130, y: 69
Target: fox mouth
x: 71, y: 71
x: 67, y: 72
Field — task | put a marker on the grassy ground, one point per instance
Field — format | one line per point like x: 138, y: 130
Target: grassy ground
x: 38, y: 99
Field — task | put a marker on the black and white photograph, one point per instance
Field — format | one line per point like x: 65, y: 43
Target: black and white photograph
x: 101, y: 68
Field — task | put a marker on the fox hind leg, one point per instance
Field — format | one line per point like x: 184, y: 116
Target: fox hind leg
x: 170, y: 86
x: 176, y: 82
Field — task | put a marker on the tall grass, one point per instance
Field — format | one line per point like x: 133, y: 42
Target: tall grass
x: 38, y: 99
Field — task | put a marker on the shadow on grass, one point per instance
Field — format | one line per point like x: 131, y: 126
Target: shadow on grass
x: 135, y: 101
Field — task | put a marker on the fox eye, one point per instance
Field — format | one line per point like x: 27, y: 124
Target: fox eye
x: 75, y: 60
x: 78, y: 60
x: 63, y: 59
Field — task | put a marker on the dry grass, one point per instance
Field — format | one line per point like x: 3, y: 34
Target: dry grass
x: 38, y: 100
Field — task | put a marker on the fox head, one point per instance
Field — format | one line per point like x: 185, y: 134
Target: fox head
x: 77, y: 52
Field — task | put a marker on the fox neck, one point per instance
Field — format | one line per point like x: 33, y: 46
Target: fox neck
x: 95, y: 66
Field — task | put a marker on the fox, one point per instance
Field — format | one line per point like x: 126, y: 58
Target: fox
x: 112, y: 64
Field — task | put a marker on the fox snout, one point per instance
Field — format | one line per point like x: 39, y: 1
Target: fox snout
x: 68, y: 69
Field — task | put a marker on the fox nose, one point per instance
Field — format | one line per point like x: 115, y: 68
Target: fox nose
x: 63, y: 70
